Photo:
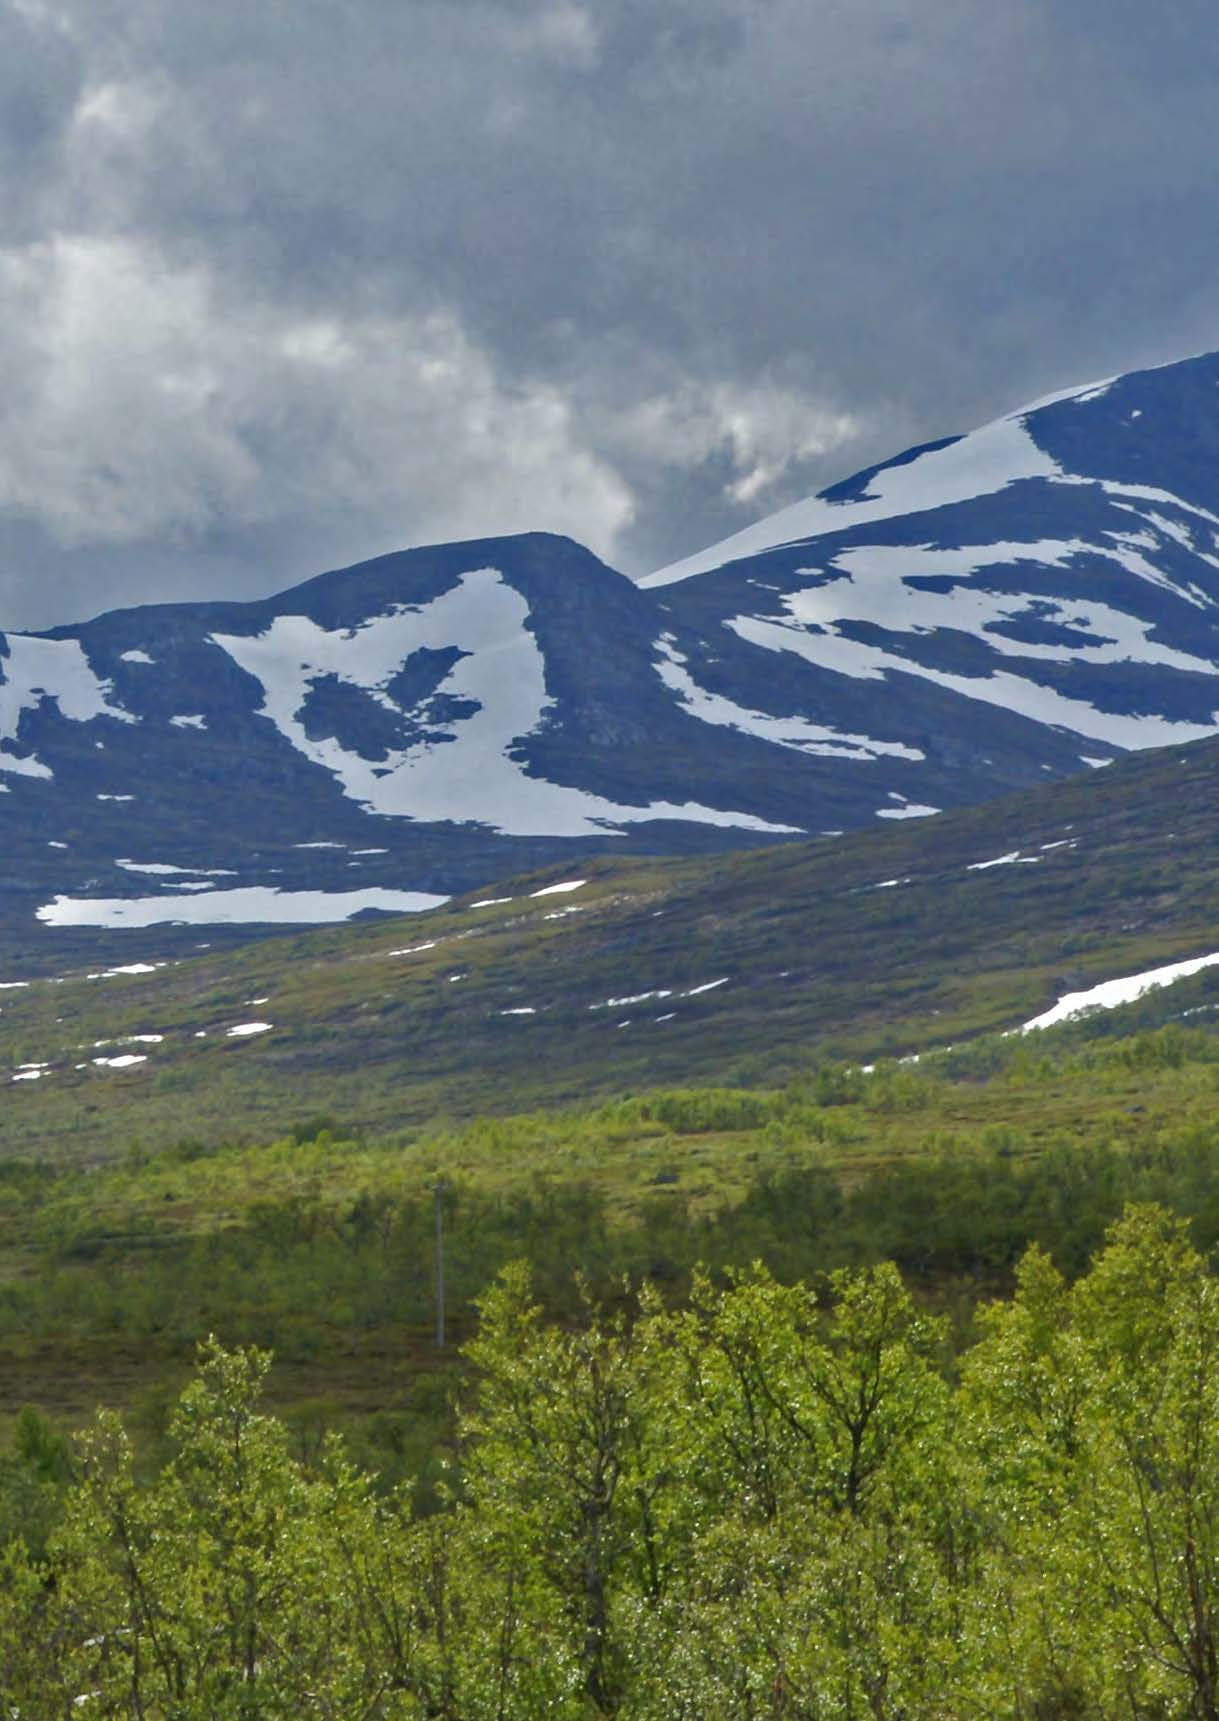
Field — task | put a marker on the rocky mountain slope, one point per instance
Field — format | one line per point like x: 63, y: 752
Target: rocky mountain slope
x: 565, y: 986
x: 986, y: 613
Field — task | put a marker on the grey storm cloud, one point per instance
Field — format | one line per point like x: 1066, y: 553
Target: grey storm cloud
x: 284, y: 286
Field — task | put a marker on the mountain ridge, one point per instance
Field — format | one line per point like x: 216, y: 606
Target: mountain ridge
x: 977, y: 615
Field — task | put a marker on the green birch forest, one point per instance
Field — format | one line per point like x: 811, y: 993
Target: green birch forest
x: 770, y: 1501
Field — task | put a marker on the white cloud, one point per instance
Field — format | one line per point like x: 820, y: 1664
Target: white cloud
x: 144, y: 401
x: 764, y: 429
x: 564, y: 32
x: 801, y: 236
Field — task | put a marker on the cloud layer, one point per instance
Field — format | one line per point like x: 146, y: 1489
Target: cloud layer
x: 281, y: 287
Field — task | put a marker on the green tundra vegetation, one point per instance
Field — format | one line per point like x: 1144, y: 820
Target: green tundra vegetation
x: 768, y: 1502
x: 732, y: 969
x: 318, y: 1245
x: 900, y: 1466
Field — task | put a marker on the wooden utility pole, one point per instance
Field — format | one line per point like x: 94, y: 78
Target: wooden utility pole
x: 439, y: 1190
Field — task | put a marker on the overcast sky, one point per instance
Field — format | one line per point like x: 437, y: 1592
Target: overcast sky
x: 288, y: 283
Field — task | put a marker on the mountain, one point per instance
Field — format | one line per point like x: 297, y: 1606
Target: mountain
x: 566, y: 987
x: 977, y: 615
x: 1043, y: 589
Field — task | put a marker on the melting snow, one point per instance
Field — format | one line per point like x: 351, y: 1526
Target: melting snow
x: 661, y: 992
x: 878, y: 585
x: 128, y: 968
x: 490, y: 902
x: 520, y: 1010
x: 1001, y: 687
x: 560, y: 889
x: 247, y: 905
x: 123, y: 1061
x: 243, y: 1030
x: 54, y: 669
x: 1110, y: 993
x: 873, y: 587
x: 1015, y: 858
x: 189, y: 720
x: 989, y: 460
x: 877, y: 590
x: 910, y: 811
x: 135, y: 657
x: 467, y: 769
x: 163, y: 868
x: 795, y: 732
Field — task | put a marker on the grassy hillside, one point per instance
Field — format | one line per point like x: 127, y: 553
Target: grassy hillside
x: 319, y: 1244
x: 743, y: 970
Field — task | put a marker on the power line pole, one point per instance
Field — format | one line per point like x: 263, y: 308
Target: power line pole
x: 439, y: 1190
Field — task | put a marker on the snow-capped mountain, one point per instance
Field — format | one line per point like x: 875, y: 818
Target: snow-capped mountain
x: 1046, y: 585
x: 974, y: 616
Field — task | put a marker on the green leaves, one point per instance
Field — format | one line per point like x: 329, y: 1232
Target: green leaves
x: 767, y: 1505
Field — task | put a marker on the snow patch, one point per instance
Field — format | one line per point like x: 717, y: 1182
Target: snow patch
x: 910, y: 811
x: 981, y: 464
x: 1015, y: 858
x: 795, y: 732
x: 126, y: 968
x: 35, y: 670
x: 1110, y: 993
x: 164, y: 869
x: 465, y: 769
x: 247, y: 905
x: 1010, y: 691
x: 244, y: 1030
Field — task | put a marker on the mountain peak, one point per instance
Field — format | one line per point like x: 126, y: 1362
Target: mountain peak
x: 1047, y: 439
x: 978, y: 614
